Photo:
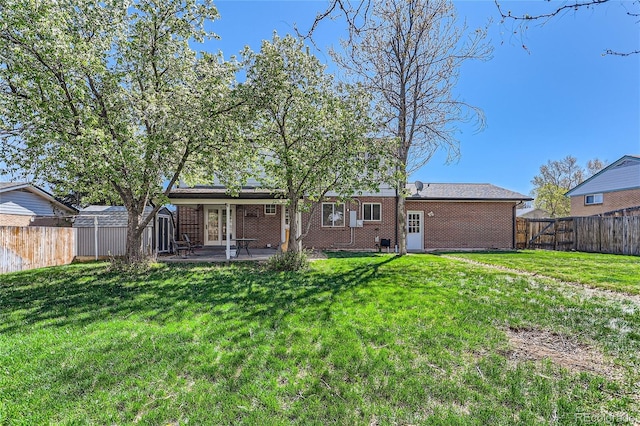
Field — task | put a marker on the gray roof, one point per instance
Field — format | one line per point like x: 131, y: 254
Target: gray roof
x: 532, y: 212
x: 7, y: 185
x: 463, y: 191
x: 108, y: 216
x: 432, y: 191
x: 247, y: 192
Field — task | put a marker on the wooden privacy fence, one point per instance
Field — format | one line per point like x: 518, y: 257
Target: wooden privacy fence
x: 31, y: 247
x: 616, y: 235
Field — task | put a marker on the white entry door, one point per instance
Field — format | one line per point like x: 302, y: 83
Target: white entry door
x: 415, y: 229
x: 215, y: 225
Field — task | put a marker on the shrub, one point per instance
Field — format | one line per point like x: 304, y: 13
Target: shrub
x: 119, y: 264
x: 288, y: 261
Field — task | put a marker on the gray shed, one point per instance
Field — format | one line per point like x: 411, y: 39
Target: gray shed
x: 102, y: 231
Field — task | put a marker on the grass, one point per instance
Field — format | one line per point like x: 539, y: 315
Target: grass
x: 355, y: 340
x: 609, y: 271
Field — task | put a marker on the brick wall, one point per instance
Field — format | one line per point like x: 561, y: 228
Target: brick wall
x: 14, y: 220
x: 320, y: 237
x: 452, y: 225
x: 253, y: 222
x: 467, y: 225
x: 610, y: 201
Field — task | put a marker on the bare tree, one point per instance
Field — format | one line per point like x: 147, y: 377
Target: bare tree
x: 555, y: 9
x: 408, y: 54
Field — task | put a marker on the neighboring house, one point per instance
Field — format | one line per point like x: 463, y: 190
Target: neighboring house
x: 109, y: 225
x: 532, y: 213
x: 615, y: 187
x: 24, y: 204
x: 439, y: 216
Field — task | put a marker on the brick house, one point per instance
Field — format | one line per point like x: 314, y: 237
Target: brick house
x: 439, y: 216
x: 615, y: 187
x: 23, y: 204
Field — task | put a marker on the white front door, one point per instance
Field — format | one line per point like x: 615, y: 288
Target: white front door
x: 215, y: 225
x: 415, y: 227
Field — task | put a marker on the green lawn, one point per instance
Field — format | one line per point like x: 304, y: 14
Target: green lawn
x: 355, y: 340
x: 610, y: 271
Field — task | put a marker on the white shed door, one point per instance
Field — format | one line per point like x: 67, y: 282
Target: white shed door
x: 415, y: 230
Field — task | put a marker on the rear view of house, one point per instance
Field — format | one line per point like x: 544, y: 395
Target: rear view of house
x: 615, y: 187
x: 439, y: 216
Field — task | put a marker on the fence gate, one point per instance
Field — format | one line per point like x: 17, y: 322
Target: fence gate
x: 548, y: 234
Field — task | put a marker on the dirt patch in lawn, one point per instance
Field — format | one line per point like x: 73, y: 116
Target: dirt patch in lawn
x: 536, y: 345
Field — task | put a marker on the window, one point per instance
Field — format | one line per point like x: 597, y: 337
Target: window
x: 593, y: 199
x: 332, y: 214
x: 371, y: 211
x: 286, y: 216
x: 270, y: 209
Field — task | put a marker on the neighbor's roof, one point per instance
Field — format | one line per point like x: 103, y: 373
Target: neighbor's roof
x: 5, y: 186
x: 528, y: 211
x: 17, y: 186
x: 464, y: 191
x: 108, y: 216
x: 619, y: 177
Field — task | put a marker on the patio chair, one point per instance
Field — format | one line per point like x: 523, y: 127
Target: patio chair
x: 186, y: 238
x: 179, y: 245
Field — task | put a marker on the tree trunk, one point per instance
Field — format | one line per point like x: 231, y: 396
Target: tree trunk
x: 134, y: 251
x: 402, y: 223
x: 293, y: 224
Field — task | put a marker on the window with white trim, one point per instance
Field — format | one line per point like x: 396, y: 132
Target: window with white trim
x: 332, y: 215
x: 270, y: 209
x: 592, y: 199
x: 371, y: 212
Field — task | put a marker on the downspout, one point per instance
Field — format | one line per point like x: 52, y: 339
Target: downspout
x: 397, y: 199
x: 95, y: 232
x: 228, y: 225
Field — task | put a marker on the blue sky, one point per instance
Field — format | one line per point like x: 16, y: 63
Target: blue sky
x: 558, y: 97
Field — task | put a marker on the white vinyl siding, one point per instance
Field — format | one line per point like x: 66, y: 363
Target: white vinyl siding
x: 332, y: 215
x: 25, y: 203
x: 372, y: 212
x: 618, y: 177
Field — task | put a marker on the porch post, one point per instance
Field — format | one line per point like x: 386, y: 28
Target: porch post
x: 299, y: 230
x: 228, y: 225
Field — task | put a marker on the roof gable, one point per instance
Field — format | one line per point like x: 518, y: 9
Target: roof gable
x: 619, y: 175
x: 17, y: 187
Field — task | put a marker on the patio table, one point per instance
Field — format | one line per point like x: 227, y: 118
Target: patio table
x: 243, y: 243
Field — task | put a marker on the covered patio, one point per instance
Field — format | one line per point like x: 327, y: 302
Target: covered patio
x: 219, y: 254
x: 253, y: 223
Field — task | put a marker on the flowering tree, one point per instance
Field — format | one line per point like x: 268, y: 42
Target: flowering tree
x: 109, y: 99
x: 313, y: 136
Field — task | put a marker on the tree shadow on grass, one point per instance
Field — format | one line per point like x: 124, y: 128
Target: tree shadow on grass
x: 354, y: 254
x: 79, y: 295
